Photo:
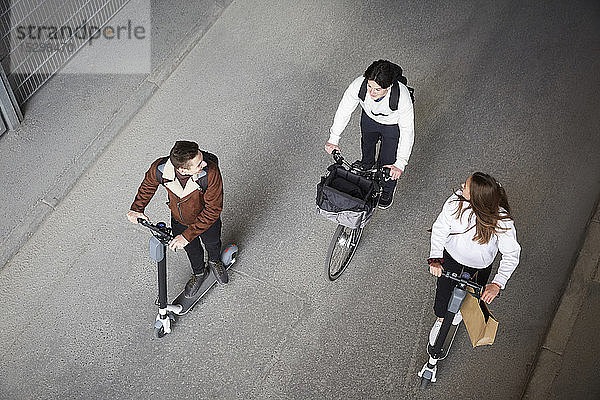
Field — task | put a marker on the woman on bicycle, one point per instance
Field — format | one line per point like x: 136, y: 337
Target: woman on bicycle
x: 475, y: 223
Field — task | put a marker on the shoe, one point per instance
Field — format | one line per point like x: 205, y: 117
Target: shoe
x: 193, y: 285
x: 386, y: 199
x: 435, y: 329
x: 457, y: 318
x: 219, y: 271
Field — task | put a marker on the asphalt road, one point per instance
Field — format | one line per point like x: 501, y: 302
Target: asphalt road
x: 508, y: 88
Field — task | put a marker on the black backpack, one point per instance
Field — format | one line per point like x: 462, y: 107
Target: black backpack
x: 395, y: 91
x: 202, y: 182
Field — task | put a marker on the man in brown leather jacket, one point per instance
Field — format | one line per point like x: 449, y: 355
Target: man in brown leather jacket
x: 195, y: 190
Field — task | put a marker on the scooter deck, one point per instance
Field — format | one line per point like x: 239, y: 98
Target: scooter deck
x: 189, y: 302
x: 447, y: 343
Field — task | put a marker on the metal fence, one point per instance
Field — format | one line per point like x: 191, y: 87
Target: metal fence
x: 37, y: 37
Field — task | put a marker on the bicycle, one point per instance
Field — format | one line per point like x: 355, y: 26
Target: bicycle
x: 351, y: 221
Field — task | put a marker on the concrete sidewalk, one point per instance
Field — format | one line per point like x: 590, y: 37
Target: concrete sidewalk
x: 568, y: 363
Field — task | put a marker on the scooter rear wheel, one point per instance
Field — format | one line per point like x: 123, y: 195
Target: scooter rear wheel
x: 424, y: 383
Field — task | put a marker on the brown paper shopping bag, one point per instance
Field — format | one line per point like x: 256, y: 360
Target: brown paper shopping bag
x: 480, y: 323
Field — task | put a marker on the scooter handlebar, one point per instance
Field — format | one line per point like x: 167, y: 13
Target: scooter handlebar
x: 465, y: 281
x: 160, y: 229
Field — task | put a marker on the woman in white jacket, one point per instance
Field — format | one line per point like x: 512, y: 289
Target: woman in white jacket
x: 474, y: 225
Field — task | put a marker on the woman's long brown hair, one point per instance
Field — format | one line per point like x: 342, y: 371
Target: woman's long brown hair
x: 487, y: 196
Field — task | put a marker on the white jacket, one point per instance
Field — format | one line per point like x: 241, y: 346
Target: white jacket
x: 468, y: 252
x: 378, y: 111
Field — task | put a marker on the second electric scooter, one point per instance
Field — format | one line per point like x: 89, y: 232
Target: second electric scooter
x: 447, y: 331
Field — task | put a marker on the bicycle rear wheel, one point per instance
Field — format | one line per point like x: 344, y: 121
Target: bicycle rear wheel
x: 342, y: 248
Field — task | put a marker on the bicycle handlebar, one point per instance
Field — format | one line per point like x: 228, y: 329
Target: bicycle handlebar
x: 337, y: 156
x: 385, y: 171
x: 160, y: 229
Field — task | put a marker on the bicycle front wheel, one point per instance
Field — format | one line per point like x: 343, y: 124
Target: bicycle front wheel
x: 342, y: 248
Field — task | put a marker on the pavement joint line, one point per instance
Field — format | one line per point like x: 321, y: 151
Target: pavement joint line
x: 15, y: 240
x: 558, y: 353
x: 596, y: 276
x: 246, y: 275
x: 48, y: 204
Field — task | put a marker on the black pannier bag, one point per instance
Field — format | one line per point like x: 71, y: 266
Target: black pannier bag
x: 346, y: 198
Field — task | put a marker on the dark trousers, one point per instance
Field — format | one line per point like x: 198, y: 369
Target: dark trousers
x: 373, y: 132
x: 211, y: 238
x: 444, y: 288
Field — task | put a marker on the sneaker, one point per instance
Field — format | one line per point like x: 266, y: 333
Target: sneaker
x: 435, y: 329
x: 193, y: 285
x: 219, y: 271
x: 386, y: 199
x: 457, y: 318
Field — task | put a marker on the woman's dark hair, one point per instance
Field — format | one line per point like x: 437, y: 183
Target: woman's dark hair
x: 183, y: 152
x: 384, y: 72
x: 487, y: 196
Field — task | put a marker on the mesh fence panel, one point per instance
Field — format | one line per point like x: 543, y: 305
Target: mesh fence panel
x: 59, y: 28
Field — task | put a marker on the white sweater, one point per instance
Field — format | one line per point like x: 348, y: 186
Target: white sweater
x: 468, y: 252
x: 403, y: 117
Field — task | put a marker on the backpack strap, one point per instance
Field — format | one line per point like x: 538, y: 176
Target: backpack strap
x: 160, y: 168
x: 394, y: 95
x: 412, y: 93
x: 362, y: 93
x: 203, y: 180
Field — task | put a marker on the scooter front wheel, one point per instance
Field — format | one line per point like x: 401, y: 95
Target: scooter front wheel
x: 159, y: 332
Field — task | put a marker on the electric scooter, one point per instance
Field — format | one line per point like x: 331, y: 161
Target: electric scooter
x: 447, y: 331
x: 161, y: 236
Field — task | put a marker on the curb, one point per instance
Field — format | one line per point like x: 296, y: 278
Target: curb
x: 119, y: 120
x: 550, y: 356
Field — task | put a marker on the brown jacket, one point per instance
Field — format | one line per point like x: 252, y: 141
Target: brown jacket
x: 188, y: 204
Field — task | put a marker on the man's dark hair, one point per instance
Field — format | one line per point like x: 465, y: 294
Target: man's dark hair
x: 384, y: 72
x: 183, y: 152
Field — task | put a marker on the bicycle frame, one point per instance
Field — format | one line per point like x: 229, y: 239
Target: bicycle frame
x: 345, y: 239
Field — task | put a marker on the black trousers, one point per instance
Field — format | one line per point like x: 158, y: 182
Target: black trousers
x: 444, y: 288
x: 211, y: 238
x: 373, y: 132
